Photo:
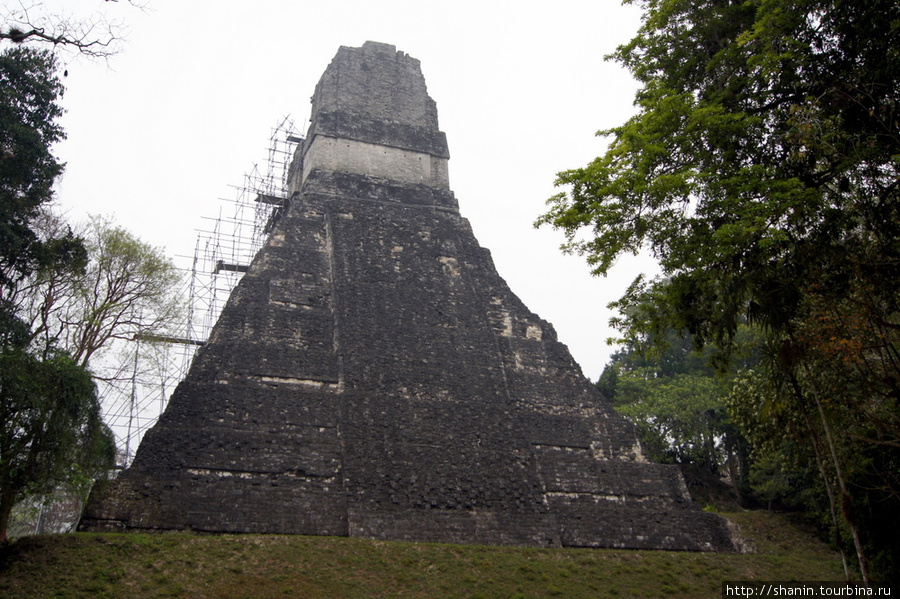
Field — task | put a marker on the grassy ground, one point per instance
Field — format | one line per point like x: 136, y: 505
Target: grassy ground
x: 186, y: 565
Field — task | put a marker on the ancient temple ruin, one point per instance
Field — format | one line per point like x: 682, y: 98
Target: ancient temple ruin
x: 373, y: 375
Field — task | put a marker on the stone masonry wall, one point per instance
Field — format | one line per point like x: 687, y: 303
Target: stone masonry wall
x: 373, y: 375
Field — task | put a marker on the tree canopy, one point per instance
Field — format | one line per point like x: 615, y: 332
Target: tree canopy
x: 51, y: 430
x: 50, y: 424
x: 762, y: 170
x: 126, y: 289
x: 29, y: 89
x: 763, y: 159
x: 677, y: 402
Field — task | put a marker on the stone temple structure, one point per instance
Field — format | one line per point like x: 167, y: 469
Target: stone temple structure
x: 372, y: 375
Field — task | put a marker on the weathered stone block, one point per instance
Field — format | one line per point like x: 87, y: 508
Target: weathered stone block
x: 372, y: 375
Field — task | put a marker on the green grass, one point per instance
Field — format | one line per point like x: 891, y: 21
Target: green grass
x: 232, y: 566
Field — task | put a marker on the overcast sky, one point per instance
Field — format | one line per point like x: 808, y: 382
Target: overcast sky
x: 159, y: 133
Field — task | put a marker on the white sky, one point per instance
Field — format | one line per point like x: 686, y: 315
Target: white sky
x: 159, y: 133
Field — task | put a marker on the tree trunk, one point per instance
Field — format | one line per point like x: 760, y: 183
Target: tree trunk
x: 829, y: 492
x: 846, y: 500
x: 7, y: 500
x: 835, y: 520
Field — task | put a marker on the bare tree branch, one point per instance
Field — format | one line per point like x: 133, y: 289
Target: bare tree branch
x: 95, y: 36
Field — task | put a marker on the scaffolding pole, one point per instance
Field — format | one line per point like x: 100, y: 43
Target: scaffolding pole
x: 137, y: 391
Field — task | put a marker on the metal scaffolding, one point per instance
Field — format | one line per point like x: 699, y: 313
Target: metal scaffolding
x: 137, y: 389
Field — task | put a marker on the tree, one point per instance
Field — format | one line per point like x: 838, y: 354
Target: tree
x: 680, y: 417
x: 65, y: 296
x: 677, y: 402
x: 51, y: 431
x: 111, y: 316
x: 50, y: 426
x: 127, y: 289
x: 762, y: 169
x: 29, y: 89
x: 96, y: 36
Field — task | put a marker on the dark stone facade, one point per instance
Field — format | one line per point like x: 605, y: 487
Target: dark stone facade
x: 372, y: 375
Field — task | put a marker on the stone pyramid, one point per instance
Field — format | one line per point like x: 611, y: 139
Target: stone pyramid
x: 373, y: 376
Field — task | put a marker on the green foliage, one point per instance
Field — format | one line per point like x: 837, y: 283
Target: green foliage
x: 782, y: 471
x: 608, y: 381
x: 50, y: 427
x: 680, y: 417
x: 764, y: 152
x: 29, y: 89
x: 48, y: 408
x: 843, y: 480
x: 127, y: 288
x: 771, y: 482
x: 51, y: 432
x: 676, y: 400
x: 762, y: 170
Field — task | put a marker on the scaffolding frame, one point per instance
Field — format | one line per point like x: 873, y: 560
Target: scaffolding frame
x: 136, y: 390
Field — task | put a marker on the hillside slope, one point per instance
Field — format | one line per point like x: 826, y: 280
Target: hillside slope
x: 197, y: 566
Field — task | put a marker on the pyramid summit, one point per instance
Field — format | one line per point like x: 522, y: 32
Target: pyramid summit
x: 372, y: 375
